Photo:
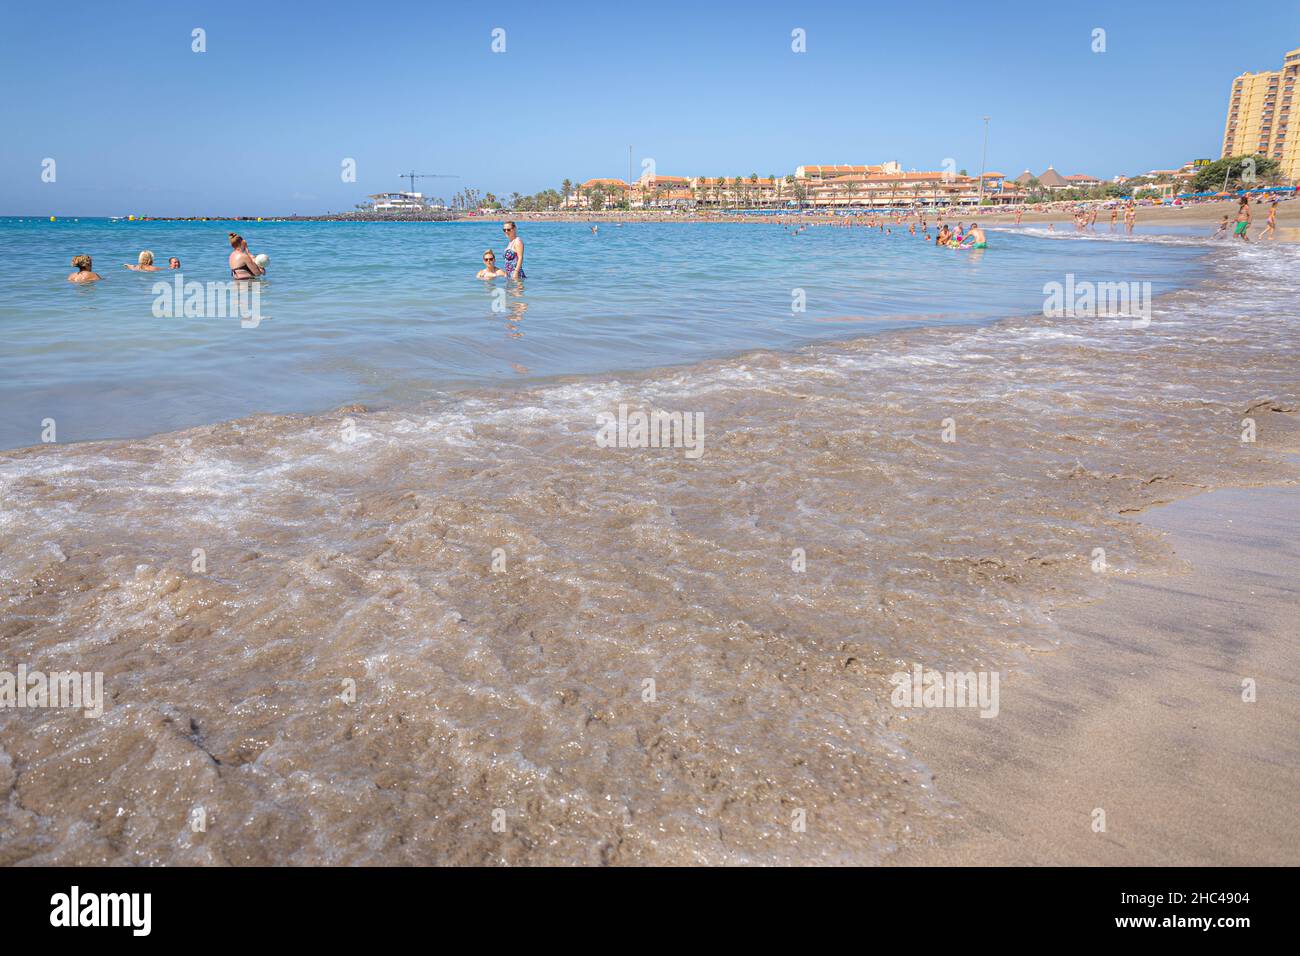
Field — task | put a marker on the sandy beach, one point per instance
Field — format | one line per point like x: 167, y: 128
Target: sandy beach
x: 466, y: 632
x: 1139, y: 712
x: 1202, y: 214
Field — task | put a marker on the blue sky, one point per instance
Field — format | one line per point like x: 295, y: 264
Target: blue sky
x: 261, y: 122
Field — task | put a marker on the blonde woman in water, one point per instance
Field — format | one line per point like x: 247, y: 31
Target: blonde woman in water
x: 490, y: 270
x: 144, y: 263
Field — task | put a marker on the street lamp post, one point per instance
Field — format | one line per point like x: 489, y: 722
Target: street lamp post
x: 984, y: 160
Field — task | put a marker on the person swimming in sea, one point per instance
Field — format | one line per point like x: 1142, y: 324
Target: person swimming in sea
x: 173, y: 263
x: 975, y: 239
x: 490, y: 270
x: 242, y: 265
x: 84, y: 271
x: 514, y: 251
x: 144, y: 263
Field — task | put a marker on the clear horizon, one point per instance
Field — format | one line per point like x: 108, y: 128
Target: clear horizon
x: 263, y: 121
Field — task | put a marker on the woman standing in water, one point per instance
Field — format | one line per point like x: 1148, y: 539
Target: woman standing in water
x: 242, y: 265
x: 1243, y: 219
x: 514, y: 251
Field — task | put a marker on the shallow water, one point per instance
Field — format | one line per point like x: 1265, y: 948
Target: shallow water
x: 391, y: 314
x: 356, y: 550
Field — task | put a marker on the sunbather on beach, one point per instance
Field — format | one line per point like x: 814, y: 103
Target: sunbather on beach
x: 84, y: 272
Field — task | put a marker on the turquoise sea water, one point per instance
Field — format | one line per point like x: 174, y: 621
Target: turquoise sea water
x: 391, y: 313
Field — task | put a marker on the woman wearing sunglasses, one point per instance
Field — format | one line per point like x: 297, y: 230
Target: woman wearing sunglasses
x: 490, y: 270
x: 514, y: 251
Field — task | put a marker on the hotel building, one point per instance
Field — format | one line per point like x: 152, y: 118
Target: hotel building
x: 883, y: 186
x: 889, y: 186
x: 1259, y: 110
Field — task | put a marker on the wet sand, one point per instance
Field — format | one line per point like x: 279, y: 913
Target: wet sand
x: 1140, y: 712
x: 413, y: 622
x: 1205, y: 214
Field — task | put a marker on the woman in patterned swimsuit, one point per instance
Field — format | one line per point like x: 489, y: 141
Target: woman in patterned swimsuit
x: 514, y: 252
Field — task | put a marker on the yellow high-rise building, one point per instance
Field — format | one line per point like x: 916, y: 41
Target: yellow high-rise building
x: 1258, y: 113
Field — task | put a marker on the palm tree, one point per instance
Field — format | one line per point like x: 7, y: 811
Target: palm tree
x: 567, y: 187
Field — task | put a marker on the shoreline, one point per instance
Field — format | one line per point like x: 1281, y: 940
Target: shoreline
x: 1202, y: 213
x: 460, y: 391
x: 1138, y: 711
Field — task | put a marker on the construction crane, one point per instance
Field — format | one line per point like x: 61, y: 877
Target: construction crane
x: 414, y: 176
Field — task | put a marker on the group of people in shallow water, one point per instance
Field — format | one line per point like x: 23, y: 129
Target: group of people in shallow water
x: 514, y: 257
x: 959, y: 238
x: 144, y: 263
x: 972, y: 238
x: 243, y: 264
x: 1241, y: 226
